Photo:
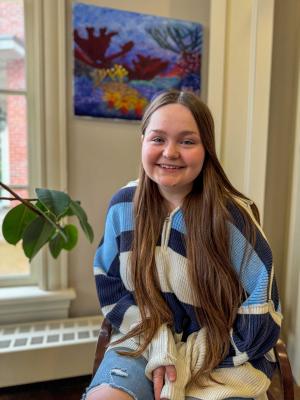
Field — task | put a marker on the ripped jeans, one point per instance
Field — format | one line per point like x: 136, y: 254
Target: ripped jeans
x: 126, y: 374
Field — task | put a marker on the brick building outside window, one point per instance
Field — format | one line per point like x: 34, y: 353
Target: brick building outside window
x: 13, y: 123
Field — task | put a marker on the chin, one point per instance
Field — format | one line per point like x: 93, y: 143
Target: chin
x: 169, y: 185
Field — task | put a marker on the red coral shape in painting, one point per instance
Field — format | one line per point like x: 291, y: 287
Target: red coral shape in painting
x: 93, y: 49
x: 147, y: 67
x: 190, y: 62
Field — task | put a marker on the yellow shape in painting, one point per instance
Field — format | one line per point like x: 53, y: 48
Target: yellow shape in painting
x: 122, y: 97
x: 117, y: 73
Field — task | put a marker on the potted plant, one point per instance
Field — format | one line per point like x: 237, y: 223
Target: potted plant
x: 42, y: 220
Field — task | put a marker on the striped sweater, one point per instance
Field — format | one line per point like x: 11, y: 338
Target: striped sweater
x: 247, y: 369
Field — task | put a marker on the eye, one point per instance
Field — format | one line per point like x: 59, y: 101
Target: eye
x: 188, y: 142
x: 157, y: 139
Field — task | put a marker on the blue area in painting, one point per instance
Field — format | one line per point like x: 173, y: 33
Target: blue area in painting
x: 122, y: 59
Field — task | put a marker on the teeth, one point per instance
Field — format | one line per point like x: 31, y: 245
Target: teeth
x: 169, y: 166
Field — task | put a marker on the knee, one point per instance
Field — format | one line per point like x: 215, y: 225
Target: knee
x: 107, y: 393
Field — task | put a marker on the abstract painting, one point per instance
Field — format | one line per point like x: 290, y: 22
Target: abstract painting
x: 123, y: 59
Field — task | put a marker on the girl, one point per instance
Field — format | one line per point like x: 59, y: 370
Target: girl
x: 184, y: 272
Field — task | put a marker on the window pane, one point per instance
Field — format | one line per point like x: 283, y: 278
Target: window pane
x: 14, y: 172
x: 12, y: 50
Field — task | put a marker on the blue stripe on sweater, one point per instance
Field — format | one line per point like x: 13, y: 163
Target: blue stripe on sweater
x: 178, y: 222
x: 106, y: 253
x: 115, y: 316
x: 120, y: 215
x: 114, y: 227
x: 261, y: 247
x: 255, y: 271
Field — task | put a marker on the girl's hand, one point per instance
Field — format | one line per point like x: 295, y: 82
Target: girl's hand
x: 159, y: 378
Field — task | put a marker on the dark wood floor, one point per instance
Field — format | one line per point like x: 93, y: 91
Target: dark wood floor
x: 72, y: 389
x: 63, y: 389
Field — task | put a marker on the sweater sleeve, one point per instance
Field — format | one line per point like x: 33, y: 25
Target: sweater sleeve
x: 114, y: 286
x: 114, y: 291
x: 257, y: 325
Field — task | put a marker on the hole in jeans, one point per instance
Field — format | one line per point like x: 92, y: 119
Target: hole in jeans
x: 119, y: 372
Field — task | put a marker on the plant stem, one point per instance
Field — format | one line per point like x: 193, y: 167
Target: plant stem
x: 27, y: 203
x: 14, y: 199
x: 17, y: 197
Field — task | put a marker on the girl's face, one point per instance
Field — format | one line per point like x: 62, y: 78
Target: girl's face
x: 172, y: 150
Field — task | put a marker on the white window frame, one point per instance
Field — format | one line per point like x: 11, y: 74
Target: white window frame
x: 32, y: 277
x: 46, y: 294
x: 4, y: 158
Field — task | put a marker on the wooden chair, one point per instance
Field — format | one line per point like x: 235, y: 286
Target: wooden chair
x: 284, y: 368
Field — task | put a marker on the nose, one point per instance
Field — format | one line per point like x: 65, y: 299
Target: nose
x: 170, y: 151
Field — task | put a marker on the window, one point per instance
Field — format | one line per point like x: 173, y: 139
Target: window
x: 13, y: 127
x: 41, y: 292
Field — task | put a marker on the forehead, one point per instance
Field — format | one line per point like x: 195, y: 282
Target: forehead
x: 173, y: 117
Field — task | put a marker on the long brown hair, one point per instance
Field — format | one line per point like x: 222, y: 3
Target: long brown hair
x: 215, y: 286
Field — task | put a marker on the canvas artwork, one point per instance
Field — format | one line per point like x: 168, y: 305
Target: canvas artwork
x: 123, y: 59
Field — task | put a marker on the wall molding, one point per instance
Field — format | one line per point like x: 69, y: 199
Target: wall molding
x: 292, y: 304
x: 246, y: 83
x: 217, y: 41
x: 259, y: 99
x: 55, y: 126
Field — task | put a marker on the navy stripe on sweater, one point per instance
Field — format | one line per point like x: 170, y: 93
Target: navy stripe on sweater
x: 124, y: 195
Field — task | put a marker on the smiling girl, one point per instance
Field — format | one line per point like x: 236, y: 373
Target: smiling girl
x: 184, y: 272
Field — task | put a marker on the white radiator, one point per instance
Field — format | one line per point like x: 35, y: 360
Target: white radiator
x: 41, y: 351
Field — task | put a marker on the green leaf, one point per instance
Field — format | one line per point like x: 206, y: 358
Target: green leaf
x: 57, y: 243
x: 69, y: 212
x: 72, y: 235
x: 15, y: 223
x: 87, y: 229
x: 36, y: 234
x: 50, y: 218
x: 55, y: 201
x: 82, y: 217
x: 40, y: 206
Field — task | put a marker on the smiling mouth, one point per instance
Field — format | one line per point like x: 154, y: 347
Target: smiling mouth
x: 167, y: 166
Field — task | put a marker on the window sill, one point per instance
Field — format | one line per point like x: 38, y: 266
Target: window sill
x: 30, y: 303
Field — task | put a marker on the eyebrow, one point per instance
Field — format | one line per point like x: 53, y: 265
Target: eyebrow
x: 182, y: 133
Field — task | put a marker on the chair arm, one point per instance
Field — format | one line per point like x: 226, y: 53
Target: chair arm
x: 103, y: 342
x: 286, y: 375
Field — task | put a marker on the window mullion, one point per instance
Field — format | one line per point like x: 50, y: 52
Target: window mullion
x: 13, y: 92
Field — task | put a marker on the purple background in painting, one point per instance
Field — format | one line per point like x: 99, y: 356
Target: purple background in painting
x: 130, y: 27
